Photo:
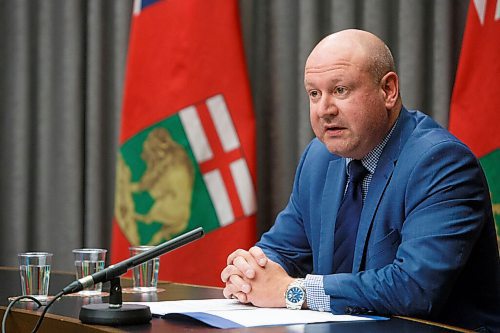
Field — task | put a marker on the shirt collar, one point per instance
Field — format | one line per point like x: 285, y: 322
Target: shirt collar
x: 371, y: 159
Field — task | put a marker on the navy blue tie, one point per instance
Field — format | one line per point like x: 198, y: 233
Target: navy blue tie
x: 346, y: 227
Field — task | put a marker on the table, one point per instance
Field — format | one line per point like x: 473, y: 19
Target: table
x: 63, y: 315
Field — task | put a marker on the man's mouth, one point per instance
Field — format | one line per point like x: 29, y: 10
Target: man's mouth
x: 333, y: 130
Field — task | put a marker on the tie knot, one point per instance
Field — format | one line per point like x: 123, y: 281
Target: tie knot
x: 356, y: 171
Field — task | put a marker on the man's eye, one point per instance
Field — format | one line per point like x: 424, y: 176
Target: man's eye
x: 340, y: 90
x: 314, y: 93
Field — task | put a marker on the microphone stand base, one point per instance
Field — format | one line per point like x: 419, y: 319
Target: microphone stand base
x: 102, y: 314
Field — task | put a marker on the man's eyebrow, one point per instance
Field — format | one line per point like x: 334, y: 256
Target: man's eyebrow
x: 335, y: 80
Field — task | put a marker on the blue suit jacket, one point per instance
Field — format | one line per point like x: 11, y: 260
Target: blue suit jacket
x: 426, y: 245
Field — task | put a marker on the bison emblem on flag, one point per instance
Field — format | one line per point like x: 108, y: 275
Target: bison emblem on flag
x: 182, y: 172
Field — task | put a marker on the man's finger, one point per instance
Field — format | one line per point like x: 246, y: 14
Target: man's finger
x: 235, y: 254
x: 259, y: 255
x: 228, y: 292
x: 228, y: 271
x: 240, y: 284
x: 243, y: 266
x: 241, y: 297
x: 231, y: 291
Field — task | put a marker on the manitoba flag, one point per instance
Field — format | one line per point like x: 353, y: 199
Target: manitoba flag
x: 475, y: 104
x: 187, y: 154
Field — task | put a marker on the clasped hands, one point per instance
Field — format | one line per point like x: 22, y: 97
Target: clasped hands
x: 251, y: 277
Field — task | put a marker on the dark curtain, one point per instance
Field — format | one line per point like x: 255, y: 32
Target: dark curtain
x: 62, y: 67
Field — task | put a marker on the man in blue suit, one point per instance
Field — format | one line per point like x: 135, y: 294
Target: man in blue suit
x: 423, y: 237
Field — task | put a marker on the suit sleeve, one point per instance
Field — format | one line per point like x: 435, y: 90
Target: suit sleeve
x: 444, y: 210
x: 287, y: 241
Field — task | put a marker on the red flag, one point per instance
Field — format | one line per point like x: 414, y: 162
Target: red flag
x: 187, y: 155
x: 475, y: 104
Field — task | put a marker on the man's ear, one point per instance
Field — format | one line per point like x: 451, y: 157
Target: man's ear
x: 390, y: 87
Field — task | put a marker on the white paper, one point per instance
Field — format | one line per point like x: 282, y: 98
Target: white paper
x: 214, y: 311
x: 281, y: 316
x: 202, y: 305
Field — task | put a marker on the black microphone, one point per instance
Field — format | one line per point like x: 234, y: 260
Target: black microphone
x: 122, y: 267
x: 116, y: 314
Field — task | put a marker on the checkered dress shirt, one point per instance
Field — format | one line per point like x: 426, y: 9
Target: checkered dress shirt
x: 315, y: 292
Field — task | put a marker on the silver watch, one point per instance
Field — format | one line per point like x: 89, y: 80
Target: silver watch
x: 295, y: 294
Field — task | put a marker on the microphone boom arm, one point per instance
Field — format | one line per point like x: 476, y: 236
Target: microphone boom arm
x: 122, y: 267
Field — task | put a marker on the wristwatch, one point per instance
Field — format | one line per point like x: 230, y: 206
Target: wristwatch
x: 295, y: 294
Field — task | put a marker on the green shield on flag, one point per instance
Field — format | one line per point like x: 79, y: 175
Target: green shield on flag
x: 160, y: 192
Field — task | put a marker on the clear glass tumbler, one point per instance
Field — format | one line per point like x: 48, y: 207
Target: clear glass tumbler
x: 87, y: 262
x: 145, y: 276
x: 34, y: 268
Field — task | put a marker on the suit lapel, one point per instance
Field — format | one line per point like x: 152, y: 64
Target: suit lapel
x: 332, y: 195
x: 379, y: 182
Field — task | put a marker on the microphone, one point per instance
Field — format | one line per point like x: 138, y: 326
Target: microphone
x: 122, y: 267
x: 105, y: 314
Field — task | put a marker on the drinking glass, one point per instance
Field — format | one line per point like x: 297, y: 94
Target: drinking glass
x: 87, y: 262
x: 34, y: 268
x: 145, y: 276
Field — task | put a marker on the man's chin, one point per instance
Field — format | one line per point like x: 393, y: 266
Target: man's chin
x: 334, y: 150
x: 345, y: 153
x: 335, y: 146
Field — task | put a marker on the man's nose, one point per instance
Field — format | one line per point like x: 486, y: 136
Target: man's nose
x: 327, y: 107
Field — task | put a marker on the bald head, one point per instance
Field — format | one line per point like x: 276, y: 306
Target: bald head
x: 353, y: 92
x: 361, y: 47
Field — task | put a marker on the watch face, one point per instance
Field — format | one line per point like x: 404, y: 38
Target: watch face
x: 295, y: 295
